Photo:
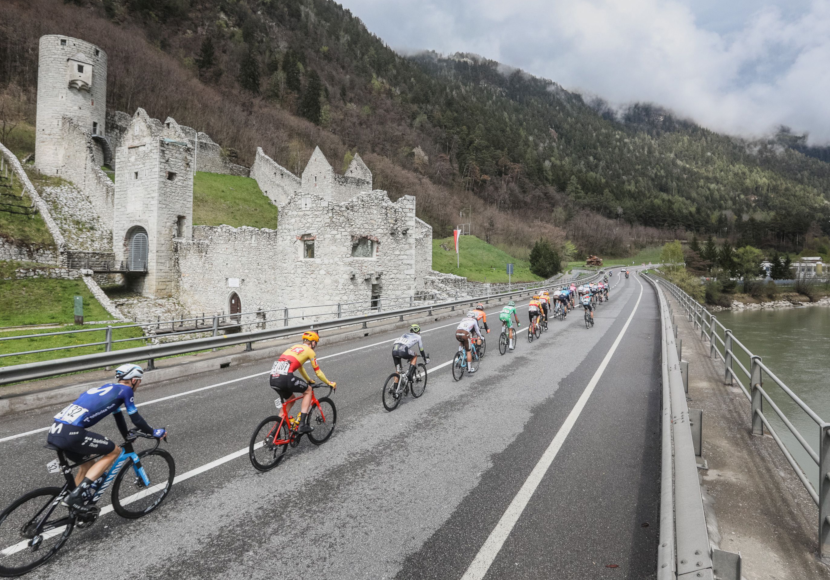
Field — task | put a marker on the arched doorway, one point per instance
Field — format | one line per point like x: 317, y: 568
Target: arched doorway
x: 235, y: 307
x: 137, y: 249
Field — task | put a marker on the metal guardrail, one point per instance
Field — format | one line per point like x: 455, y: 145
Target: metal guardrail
x: 725, y: 346
x: 684, y: 550
x: 238, y: 322
x: 54, y: 367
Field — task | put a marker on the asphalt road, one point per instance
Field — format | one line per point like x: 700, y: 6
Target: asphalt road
x: 545, y: 464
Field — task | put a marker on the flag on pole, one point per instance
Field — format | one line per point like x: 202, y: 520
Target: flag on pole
x: 456, y: 234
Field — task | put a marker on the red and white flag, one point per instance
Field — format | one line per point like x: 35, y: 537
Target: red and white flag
x: 456, y: 234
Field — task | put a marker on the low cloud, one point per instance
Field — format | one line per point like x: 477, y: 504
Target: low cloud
x: 763, y: 65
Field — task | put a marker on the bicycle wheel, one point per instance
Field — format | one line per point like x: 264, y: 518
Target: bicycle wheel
x: 21, y: 548
x: 481, y: 348
x: 390, y: 396
x: 263, y: 452
x: 323, y: 419
x: 530, y: 334
x: 419, y: 383
x: 587, y: 320
x: 538, y: 331
x: 503, y: 343
x: 457, y: 368
x: 131, y: 498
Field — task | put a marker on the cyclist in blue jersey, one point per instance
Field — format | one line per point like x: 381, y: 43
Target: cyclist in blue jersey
x: 69, y: 432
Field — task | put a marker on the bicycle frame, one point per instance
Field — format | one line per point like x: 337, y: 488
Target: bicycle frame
x: 285, y: 416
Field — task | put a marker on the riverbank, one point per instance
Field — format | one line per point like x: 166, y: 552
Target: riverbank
x: 745, y: 302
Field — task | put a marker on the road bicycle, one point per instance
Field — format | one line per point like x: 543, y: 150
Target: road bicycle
x: 274, y: 435
x: 394, y: 391
x: 544, y: 323
x: 459, y: 361
x: 504, y: 338
x: 36, y: 525
x: 588, y: 320
x: 534, y: 331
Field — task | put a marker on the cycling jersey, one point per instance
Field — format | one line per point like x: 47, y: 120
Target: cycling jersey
x: 534, y: 305
x: 470, y: 325
x: 96, y: 403
x: 293, y: 360
x: 407, y: 343
x: 507, y: 314
x: 481, y: 317
x: 586, y: 300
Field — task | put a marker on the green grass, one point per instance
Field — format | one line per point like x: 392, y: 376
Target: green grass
x: 480, y: 262
x: 45, y: 301
x: 235, y: 201
x: 21, y: 141
x: 644, y: 256
x: 28, y: 229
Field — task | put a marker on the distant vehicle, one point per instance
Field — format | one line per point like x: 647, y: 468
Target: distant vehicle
x: 594, y: 261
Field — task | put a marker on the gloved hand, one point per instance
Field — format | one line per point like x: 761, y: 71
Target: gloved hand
x: 488, y: 331
x: 333, y: 385
x: 426, y: 361
x: 160, y: 433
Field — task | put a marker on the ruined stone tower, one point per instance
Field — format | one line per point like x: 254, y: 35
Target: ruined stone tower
x: 153, y: 202
x: 72, y: 83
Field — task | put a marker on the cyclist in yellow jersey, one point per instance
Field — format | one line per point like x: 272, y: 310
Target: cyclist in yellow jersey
x: 287, y: 384
x: 534, y: 310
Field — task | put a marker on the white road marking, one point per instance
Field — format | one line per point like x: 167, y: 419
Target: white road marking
x: 222, y: 384
x: 488, y: 552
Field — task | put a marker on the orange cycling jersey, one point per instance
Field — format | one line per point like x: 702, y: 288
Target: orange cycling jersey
x: 294, y: 358
x: 481, y: 316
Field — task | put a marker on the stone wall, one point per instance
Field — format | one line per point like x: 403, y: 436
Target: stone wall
x: 41, y: 205
x: 275, y: 181
x: 117, y: 124
x: 80, y: 166
x: 54, y: 273
x: 63, y: 91
x: 78, y: 218
x: 423, y: 251
x: 12, y: 250
x: 221, y: 260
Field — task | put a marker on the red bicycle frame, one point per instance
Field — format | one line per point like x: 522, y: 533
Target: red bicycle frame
x: 275, y: 433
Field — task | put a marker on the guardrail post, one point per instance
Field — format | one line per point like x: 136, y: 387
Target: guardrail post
x: 151, y: 364
x: 340, y: 308
x: 249, y: 346
x: 684, y: 372
x: 679, y: 348
x: 411, y: 298
x: 215, y: 325
x: 285, y: 317
x: 727, y: 356
x: 109, y: 339
x: 824, y: 493
x: 757, y: 398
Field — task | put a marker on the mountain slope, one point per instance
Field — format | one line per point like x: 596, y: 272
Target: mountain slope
x: 529, y: 158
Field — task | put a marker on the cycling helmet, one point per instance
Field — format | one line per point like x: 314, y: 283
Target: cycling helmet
x: 311, y: 336
x: 129, y: 371
x: 472, y: 314
x: 479, y: 306
x: 415, y: 328
x: 536, y: 297
x: 511, y: 303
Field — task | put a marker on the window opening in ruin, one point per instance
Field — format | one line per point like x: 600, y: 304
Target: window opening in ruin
x: 80, y: 68
x: 180, y: 222
x: 63, y: 42
x: 171, y: 176
x: 306, y: 203
x: 168, y: 125
x: 375, y: 296
x: 135, y: 175
x: 97, y: 52
x: 363, y: 248
x: 94, y: 128
x: 308, y: 248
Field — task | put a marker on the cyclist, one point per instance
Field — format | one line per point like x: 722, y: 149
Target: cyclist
x: 572, y: 290
x: 69, y: 431
x: 468, y: 330
x: 588, y: 305
x: 507, y: 315
x: 286, y: 383
x: 605, y: 289
x: 402, y: 349
x: 481, y: 318
x: 564, y: 299
x: 544, y: 301
x: 534, y: 310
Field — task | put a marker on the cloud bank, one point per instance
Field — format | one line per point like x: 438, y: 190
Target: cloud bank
x: 741, y: 67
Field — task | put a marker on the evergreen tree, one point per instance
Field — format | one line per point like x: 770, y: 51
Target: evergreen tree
x: 726, y: 258
x: 574, y: 190
x: 291, y: 69
x: 544, y: 260
x: 710, y: 252
x: 694, y: 245
x: 249, y: 72
x: 207, y: 56
x: 310, y: 104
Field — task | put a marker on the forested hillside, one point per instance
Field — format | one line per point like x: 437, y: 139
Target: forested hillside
x: 530, y: 158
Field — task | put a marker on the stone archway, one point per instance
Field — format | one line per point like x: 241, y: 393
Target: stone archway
x: 138, y: 246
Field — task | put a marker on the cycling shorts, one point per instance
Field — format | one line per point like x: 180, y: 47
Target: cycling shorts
x: 588, y: 307
x: 400, y: 354
x: 463, y: 337
x: 532, y: 315
x: 508, y: 320
x: 78, y: 444
x: 545, y: 308
x: 288, y: 385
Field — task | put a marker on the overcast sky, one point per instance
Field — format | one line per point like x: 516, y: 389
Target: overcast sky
x: 737, y: 66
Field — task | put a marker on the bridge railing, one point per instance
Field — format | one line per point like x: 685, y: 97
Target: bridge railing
x: 318, y: 321
x: 753, y: 382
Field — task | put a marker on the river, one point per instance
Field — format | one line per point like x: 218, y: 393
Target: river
x: 795, y: 344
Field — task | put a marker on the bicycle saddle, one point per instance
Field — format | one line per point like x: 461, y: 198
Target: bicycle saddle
x: 52, y: 447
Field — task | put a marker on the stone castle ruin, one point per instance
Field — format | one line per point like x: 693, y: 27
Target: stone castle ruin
x: 338, y: 240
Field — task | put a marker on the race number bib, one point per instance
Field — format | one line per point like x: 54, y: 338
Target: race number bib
x: 70, y: 413
x: 280, y: 368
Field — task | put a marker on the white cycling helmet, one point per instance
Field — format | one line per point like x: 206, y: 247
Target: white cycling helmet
x: 129, y: 371
x: 472, y: 314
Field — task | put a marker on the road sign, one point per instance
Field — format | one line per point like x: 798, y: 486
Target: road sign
x: 509, y: 269
x: 79, y: 310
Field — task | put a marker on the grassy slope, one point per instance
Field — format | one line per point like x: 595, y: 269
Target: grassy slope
x: 480, y: 262
x: 644, y: 256
x: 45, y: 301
x: 235, y: 201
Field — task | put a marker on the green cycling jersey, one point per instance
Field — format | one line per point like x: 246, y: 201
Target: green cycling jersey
x: 507, y: 314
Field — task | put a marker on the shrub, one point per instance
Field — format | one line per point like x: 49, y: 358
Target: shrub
x: 806, y: 287
x: 771, y: 290
x: 754, y: 288
x: 728, y: 286
x: 713, y: 295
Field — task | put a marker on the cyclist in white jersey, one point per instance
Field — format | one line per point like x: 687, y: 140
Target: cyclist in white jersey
x: 404, y: 349
x: 467, y: 330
